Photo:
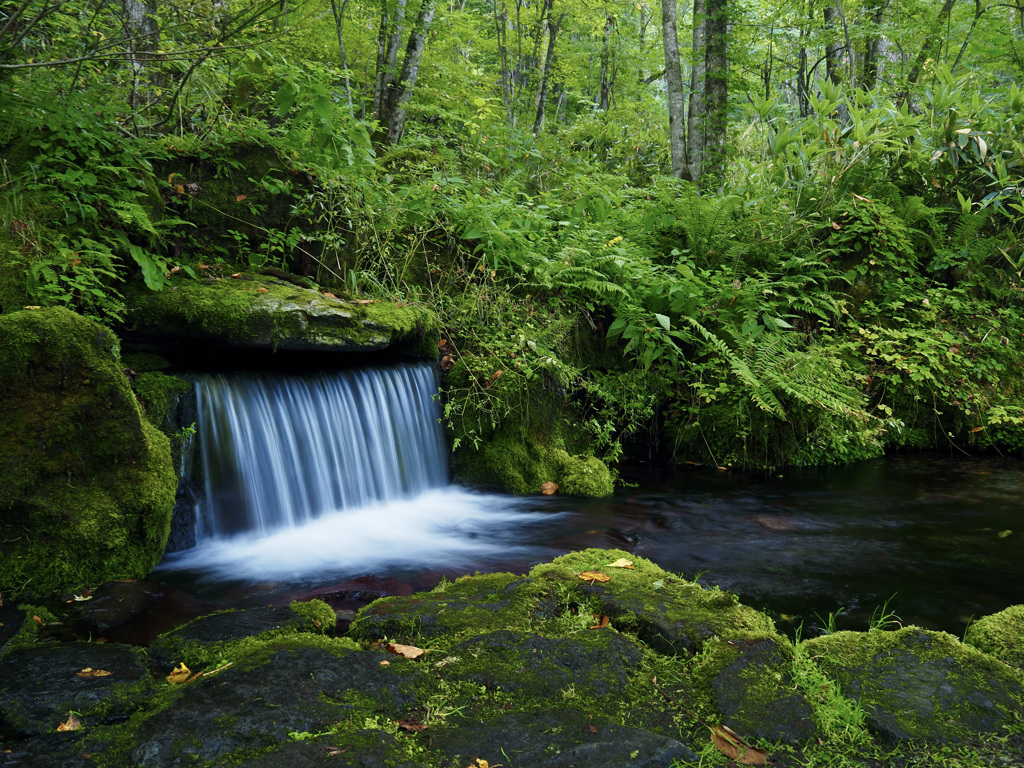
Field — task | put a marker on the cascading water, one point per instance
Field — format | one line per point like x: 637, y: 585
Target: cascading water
x: 279, y: 451
x: 311, y: 477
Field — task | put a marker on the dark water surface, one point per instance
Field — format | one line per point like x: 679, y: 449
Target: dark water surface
x: 940, y: 538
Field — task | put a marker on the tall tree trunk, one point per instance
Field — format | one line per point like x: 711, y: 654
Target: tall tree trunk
x: 874, y: 48
x: 607, y: 71
x: 140, y: 28
x: 696, y: 113
x: 542, y: 90
x: 833, y: 50
x: 674, y: 85
x: 501, y: 30
x: 933, y: 36
x: 399, y: 95
x: 716, y: 94
x: 339, y: 14
x: 389, y: 40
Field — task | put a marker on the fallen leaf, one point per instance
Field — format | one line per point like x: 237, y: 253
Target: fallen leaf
x: 72, y: 724
x: 408, y: 651
x: 329, y: 295
x: 37, y: 620
x: 621, y: 563
x: 593, y: 576
x: 602, y: 623
x: 481, y: 763
x: 593, y: 728
x: 413, y: 726
x: 335, y: 751
x: 728, y: 742
x: 365, y: 301
x: 447, y: 362
x: 240, y: 198
x: 548, y: 489
x: 385, y: 663
x: 261, y: 289
x: 204, y: 266
x: 175, y: 269
x: 90, y: 672
x: 179, y: 188
x: 494, y: 377
x: 236, y: 275
x: 180, y: 674
x: 81, y: 598
x: 33, y: 307
x: 976, y: 429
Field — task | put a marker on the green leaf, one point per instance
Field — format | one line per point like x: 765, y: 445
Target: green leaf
x: 663, y: 321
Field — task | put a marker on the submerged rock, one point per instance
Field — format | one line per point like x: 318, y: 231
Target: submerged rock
x: 918, y: 684
x: 86, y: 483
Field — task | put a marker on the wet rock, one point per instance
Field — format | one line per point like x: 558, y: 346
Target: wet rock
x: 1000, y: 635
x: 196, y: 641
x: 918, y: 684
x: 363, y: 749
x: 671, y: 615
x: 597, y: 663
x: 52, y: 749
x: 475, y: 605
x: 566, y: 738
x: 39, y: 686
x: 753, y: 689
x: 255, y: 706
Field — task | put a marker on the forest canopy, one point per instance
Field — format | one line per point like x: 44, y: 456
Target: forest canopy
x: 732, y: 232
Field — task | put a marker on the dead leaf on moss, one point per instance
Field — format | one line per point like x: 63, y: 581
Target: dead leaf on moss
x: 335, y: 751
x: 729, y: 743
x: 413, y: 726
x: 329, y: 295
x: 602, y: 622
x: 385, y: 663
x: 408, y: 651
x: 37, y: 620
x: 180, y: 674
x: 447, y: 362
x: 366, y: 301
x: 481, y: 763
x: 549, y: 488
x: 90, y: 672
x: 261, y: 289
x: 237, y: 275
x: 593, y: 576
x: 621, y: 563
x: 494, y: 377
x: 240, y: 198
x: 71, y: 724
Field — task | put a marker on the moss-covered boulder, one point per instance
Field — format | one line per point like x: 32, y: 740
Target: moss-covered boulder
x: 918, y: 684
x: 86, y: 483
x: 256, y: 311
x: 1000, y: 635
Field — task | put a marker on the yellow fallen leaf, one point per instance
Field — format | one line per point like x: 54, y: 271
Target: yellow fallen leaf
x: 593, y: 576
x: 621, y: 563
x: 548, y: 489
x: 71, y: 724
x: 33, y: 307
x: 180, y: 674
x: 408, y: 651
x: 90, y: 672
x: 729, y: 743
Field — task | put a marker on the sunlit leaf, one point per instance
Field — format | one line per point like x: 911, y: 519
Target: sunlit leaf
x: 408, y: 651
x: 602, y: 623
x: 548, y: 488
x: 180, y: 674
x: 621, y: 563
x: 71, y: 724
x: 593, y: 576
x: 90, y: 672
x: 413, y: 726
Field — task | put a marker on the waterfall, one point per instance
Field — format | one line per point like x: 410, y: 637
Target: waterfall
x: 281, y: 450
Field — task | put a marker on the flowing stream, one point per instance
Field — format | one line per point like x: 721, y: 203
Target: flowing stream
x: 322, y: 483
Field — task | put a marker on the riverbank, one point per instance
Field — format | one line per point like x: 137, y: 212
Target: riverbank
x: 597, y: 656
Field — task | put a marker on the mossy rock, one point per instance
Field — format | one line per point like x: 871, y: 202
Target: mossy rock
x: 751, y: 688
x: 1000, y: 635
x: 670, y: 614
x: 471, y: 605
x: 263, y: 312
x: 918, y: 684
x: 86, y: 483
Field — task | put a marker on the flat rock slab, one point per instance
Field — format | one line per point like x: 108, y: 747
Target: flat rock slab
x: 917, y: 684
x: 39, y: 686
x: 596, y: 663
x: 475, y: 605
x: 65, y: 750
x: 252, y: 707
x: 363, y: 749
x: 224, y: 627
x: 565, y: 738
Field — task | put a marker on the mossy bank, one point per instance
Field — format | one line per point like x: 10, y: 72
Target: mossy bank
x: 596, y: 657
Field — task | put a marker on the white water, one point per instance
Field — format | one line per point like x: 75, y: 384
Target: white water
x: 334, y: 474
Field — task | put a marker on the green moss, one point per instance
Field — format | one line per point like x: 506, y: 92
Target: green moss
x: 29, y: 629
x: 144, y: 362
x: 1000, y: 635
x: 158, y: 394
x: 86, y: 484
x: 262, y: 311
x: 317, y: 616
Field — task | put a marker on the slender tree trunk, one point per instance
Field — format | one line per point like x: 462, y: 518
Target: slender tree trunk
x: 674, y: 86
x: 833, y: 50
x: 140, y: 27
x: 501, y: 30
x: 929, y: 42
x: 542, y: 90
x: 339, y: 14
x: 607, y: 70
x: 874, y: 48
x: 697, y: 110
x: 716, y: 96
x: 978, y: 11
x: 400, y: 93
x: 389, y: 40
